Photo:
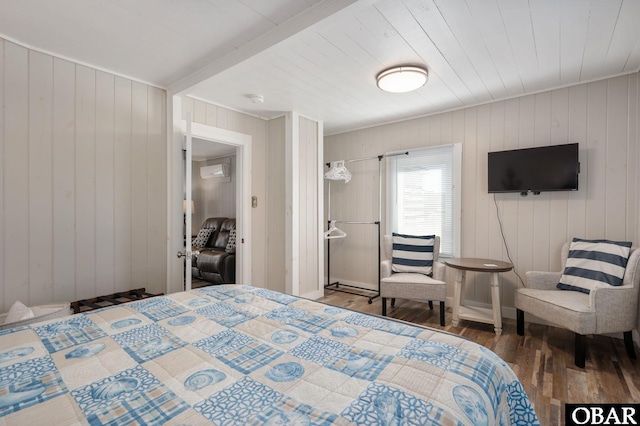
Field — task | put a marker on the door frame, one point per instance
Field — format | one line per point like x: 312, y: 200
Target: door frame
x: 242, y: 142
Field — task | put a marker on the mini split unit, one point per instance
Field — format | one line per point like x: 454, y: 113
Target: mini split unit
x: 214, y: 171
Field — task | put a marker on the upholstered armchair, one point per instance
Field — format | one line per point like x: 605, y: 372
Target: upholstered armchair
x: 411, y: 285
x: 605, y: 309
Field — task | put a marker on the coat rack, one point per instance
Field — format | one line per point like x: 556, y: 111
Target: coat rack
x: 338, y: 171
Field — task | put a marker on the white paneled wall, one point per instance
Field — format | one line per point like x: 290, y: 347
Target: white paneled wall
x: 276, y: 264
x: 83, y: 182
x: 601, y: 116
x: 309, y: 217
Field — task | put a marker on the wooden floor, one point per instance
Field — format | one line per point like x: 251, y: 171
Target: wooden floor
x: 542, y: 359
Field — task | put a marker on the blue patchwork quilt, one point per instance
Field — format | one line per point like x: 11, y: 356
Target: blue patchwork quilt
x: 241, y: 355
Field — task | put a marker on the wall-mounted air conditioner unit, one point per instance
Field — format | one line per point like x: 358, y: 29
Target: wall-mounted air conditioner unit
x: 214, y: 171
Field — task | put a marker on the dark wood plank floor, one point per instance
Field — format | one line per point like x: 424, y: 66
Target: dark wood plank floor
x: 542, y: 359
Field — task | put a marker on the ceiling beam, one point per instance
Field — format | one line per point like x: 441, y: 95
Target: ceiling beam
x: 315, y: 17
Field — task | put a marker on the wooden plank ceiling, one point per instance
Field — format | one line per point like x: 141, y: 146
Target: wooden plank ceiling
x: 320, y: 57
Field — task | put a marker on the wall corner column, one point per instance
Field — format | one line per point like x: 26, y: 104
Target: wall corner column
x: 292, y: 203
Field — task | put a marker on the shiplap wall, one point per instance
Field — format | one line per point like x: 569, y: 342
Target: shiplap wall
x: 223, y: 118
x: 601, y: 116
x: 213, y: 197
x: 308, y: 205
x: 276, y: 264
x: 83, y: 182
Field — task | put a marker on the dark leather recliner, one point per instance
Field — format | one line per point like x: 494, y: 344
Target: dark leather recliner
x: 212, y: 262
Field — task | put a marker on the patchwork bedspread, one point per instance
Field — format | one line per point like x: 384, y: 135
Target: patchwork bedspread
x: 241, y: 355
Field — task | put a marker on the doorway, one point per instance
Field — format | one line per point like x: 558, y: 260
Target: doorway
x: 241, y: 143
x: 213, y: 194
x: 213, y: 181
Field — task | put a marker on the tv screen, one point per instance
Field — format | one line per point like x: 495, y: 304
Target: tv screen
x: 546, y: 168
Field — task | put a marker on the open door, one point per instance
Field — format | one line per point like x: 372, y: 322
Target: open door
x: 187, y: 207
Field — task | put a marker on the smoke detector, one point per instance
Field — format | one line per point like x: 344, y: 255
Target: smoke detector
x: 256, y: 99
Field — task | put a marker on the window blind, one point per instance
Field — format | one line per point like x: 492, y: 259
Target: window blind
x: 421, y: 195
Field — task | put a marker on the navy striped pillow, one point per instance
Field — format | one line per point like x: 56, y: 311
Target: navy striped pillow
x: 593, y: 262
x: 413, y: 253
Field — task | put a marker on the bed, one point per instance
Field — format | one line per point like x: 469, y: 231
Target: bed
x: 242, y: 355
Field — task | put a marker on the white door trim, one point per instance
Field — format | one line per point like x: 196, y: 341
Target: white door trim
x: 187, y: 199
x: 175, y: 191
x: 242, y: 142
x: 176, y: 186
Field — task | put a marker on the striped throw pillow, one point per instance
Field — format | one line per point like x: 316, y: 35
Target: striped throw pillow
x: 413, y: 253
x: 593, y: 262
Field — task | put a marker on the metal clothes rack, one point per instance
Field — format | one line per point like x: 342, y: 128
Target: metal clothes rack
x: 337, y: 284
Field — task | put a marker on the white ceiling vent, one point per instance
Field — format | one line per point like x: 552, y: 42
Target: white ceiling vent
x: 214, y: 171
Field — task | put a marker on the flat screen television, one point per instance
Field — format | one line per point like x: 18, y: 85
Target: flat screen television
x: 545, y: 168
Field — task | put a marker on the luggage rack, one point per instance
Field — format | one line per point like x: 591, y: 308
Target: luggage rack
x: 86, y: 305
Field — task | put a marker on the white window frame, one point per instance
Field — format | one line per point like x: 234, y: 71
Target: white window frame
x: 457, y: 193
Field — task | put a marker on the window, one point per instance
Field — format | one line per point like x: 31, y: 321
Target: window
x: 423, y: 195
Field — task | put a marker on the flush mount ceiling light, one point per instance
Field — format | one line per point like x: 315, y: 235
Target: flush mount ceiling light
x: 402, y: 79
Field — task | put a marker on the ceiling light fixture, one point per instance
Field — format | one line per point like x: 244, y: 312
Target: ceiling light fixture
x: 402, y: 79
